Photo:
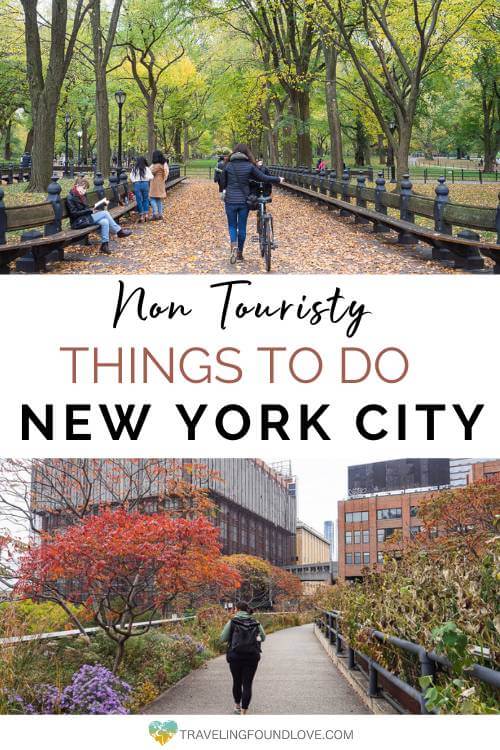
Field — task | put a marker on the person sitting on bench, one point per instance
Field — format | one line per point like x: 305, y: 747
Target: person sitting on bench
x: 81, y: 215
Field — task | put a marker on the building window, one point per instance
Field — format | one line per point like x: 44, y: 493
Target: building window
x: 413, y: 510
x: 380, y: 558
x: 348, y: 537
x: 357, y: 517
x: 414, y: 530
x: 357, y: 558
x: 348, y: 558
x: 366, y: 558
x: 366, y: 536
x: 384, y: 534
x: 388, y: 513
x: 357, y: 537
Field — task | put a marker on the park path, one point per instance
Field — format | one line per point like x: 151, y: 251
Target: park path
x: 295, y: 676
x: 193, y: 239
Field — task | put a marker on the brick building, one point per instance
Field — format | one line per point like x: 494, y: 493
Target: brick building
x: 256, y: 511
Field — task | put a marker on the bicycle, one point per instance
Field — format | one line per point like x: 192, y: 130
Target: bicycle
x: 265, y: 230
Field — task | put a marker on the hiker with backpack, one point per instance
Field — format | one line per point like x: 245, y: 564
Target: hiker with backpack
x: 243, y: 635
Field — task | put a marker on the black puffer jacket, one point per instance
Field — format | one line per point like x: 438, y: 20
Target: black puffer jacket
x: 80, y: 215
x: 236, y: 177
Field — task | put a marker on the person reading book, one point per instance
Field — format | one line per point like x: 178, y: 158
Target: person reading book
x: 81, y: 215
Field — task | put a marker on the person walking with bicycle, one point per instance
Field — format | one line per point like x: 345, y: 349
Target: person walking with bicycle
x: 235, y: 180
x: 243, y: 636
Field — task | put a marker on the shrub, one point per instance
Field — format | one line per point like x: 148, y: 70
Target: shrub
x: 93, y: 690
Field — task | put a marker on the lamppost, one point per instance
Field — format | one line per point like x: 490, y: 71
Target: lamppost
x: 129, y: 157
x: 79, y: 136
x: 67, y: 120
x: 390, y: 153
x: 120, y: 97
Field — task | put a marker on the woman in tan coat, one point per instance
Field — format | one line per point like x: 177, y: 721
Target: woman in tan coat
x: 157, y: 191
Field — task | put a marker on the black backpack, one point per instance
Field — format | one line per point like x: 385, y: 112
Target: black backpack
x: 243, y: 640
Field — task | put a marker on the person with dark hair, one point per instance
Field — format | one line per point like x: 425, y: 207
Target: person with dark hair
x: 157, y: 189
x: 221, y: 163
x: 235, y: 180
x: 81, y: 215
x: 140, y: 177
x: 243, y: 635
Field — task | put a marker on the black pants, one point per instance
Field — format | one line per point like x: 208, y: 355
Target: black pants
x: 243, y: 672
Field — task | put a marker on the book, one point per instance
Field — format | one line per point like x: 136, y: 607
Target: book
x: 102, y: 204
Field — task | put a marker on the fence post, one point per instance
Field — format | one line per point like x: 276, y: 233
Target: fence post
x: 331, y: 637
x: 442, y: 192
x: 360, y: 201
x: 440, y: 252
x: 472, y: 258
x: 123, y: 177
x: 480, y: 176
x: 405, y: 237
x: 10, y: 174
x: 372, y: 680
x: 345, y: 196
x: 99, y: 185
x: 113, y: 184
x: 427, y: 669
x: 379, y: 228
x: 3, y: 219
x: 34, y: 260
x: 351, y: 661
x: 332, y: 177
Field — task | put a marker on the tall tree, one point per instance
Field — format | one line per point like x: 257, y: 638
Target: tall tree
x: 395, y: 48
x: 287, y: 28
x: 153, y: 46
x: 45, y: 81
x: 102, y: 45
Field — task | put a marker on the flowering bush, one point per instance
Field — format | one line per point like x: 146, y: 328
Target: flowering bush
x: 93, y: 690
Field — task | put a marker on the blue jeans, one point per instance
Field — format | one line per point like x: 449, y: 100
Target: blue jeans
x: 107, y: 223
x: 157, y: 205
x: 141, y: 192
x: 237, y: 217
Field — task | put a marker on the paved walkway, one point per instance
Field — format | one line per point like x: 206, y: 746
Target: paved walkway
x: 193, y: 238
x: 295, y: 676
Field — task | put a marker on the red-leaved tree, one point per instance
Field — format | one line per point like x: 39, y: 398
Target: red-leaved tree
x: 125, y: 567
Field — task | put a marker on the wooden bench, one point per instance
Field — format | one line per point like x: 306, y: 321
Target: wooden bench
x: 465, y: 250
x: 34, y: 250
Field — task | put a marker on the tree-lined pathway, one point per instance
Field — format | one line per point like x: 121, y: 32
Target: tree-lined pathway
x: 193, y: 238
x: 295, y: 676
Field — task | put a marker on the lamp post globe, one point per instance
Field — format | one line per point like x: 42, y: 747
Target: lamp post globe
x: 120, y: 97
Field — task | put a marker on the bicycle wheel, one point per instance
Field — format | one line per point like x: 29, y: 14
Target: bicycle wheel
x: 268, y: 240
x: 260, y: 229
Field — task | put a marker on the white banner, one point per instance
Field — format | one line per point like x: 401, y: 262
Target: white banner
x: 150, y: 732
x: 314, y: 366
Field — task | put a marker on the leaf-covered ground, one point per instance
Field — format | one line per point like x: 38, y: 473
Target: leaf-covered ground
x: 193, y: 239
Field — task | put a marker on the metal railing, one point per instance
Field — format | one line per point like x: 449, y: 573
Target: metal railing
x: 429, y: 661
x: 90, y: 631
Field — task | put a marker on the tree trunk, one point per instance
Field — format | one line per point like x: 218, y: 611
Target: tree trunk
x: 101, y: 93
x: 332, y: 110
x: 103, y: 145
x: 29, y: 142
x: 185, y: 150
x: 489, y: 140
x: 42, y: 153
x: 403, y: 150
x: 381, y: 148
x: 301, y: 101
x: 120, y: 650
x: 151, y: 126
x: 177, y: 141
x: 7, y: 151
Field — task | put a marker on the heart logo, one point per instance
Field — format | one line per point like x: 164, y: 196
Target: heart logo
x: 163, y: 731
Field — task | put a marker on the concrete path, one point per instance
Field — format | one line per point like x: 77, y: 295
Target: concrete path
x: 295, y: 676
